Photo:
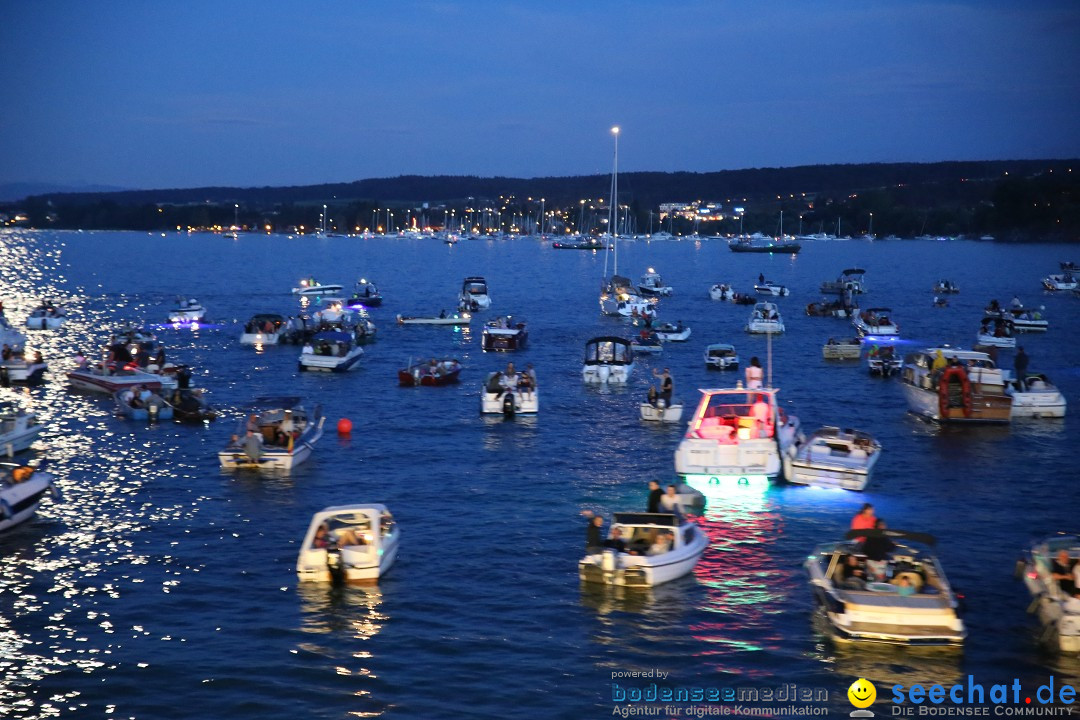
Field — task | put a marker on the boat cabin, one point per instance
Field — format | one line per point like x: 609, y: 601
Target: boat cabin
x: 729, y: 416
x: 609, y: 351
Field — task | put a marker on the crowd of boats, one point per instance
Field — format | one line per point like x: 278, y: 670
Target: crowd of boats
x: 875, y: 584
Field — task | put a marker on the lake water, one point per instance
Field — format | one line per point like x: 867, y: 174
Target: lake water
x: 161, y: 587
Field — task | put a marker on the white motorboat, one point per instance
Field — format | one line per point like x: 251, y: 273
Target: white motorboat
x: 109, y: 378
x: 187, y: 310
x: 722, y: 291
x: 444, y: 319
x: 661, y: 412
x: 608, y: 360
x: 332, y: 312
x: 1037, y: 398
x: 909, y: 603
x: 883, y: 360
x: 768, y: 287
x: 285, y: 437
x: 842, y: 349
x: 721, y: 356
x: 474, y: 294
x: 835, y: 458
x: 946, y: 287
x: 504, y: 333
x: 765, y: 318
x: 972, y: 390
x: 736, y: 437
x: 366, y: 295
x: 836, y: 309
x: 618, y: 298
x: 849, y: 282
x: 21, y: 491
x: 876, y: 322
x: 310, y: 286
x: 1057, y: 611
x: 348, y: 544
x: 651, y: 283
x: 661, y: 547
x: 264, y: 329
x: 996, y: 332
x: 673, y: 332
x: 509, y: 396
x: 18, y: 429
x: 1060, y: 281
x: 18, y: 369
x: 143, y: 405
x: 10, y: 336
x: 1025, y: 320
x: 46, y: 317
x: 330, y: 352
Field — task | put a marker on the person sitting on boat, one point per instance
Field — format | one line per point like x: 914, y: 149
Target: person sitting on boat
x: 652, y: 397
x: 495, y: 382
x: 994, y: 306
x: 616, y: 543
x: 854, y: 576
x: 128, y: 397
x: 1062, y: 569
x: 877, y: 548
x: 594, y: 533
x: 442, y: 314
x: 308, y: 349
x: 661, y: 544
x: 5, y: 354
x: 754, y: 374
x: 904, y: 587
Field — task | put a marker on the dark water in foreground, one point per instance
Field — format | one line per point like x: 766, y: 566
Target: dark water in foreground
x: 162, y: 588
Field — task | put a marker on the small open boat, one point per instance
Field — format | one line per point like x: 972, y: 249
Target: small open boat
x: 142, y: 405
x: 643, y: 550
x: 18, y: 429
x: 431, y: 372
x: 348, y: 544
x: 46, y: 317
x: 843, y: 349
x: 673, y: 332
x: 509, y: 396
x: 283, y: 435
x: 721, y: 356
x: 190, y: 406
x: 21, y: 490
x: 835, y: 458
x: 504, y: 333
x: 365, y: 295
x: 444, y: 319
x: 1057, y: 611
x: 310, y: 286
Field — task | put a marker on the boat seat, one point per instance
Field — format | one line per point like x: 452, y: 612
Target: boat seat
x: 857, y: 454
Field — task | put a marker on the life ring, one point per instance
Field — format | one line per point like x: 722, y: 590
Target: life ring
x: 950, y: 373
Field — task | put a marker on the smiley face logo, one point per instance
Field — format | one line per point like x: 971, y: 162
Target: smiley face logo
x: 862, y: 693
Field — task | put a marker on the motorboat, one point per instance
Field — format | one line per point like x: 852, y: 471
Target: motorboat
x: 661, y: 547
x: 883, y: 360
x: 765, y: 318
x: 348, y: 544
x: 651, y: 283
x: 660, y: 411
x: 190, y: 406
x: 722, y: 291
x: 330, y: 352
x: 474, y: 294
x: 282, y: 435
x: 142, y: 405
x: 721, y: 356
x: 310, y: 286
x: 836, y: 309
x: 618, y: 298
x: 21, y: 491
x: 736, y: 437
x: 332, y: 313
x: 46, y: 317
x: 1026, y: 320
x: 17, y: 369
x: 769, y: 245
x: 945, y: 287
x: 443, y: 319
x: 433, y: 372
x: 907, y: 600
x: 187, y: 310
x: 1036, y: 398
x: 877, y: 322
x: 647, y: 342
x: 1058, y: 612
x: 504, y: 333
x: 264, y: 329
x: 509, y: 396
x: 608, y: 360
x: 673, y: 332
x: 1069, y: 266
x: 132, y: 334
x: 834, y: 458
x: 970, y: 390
x: 365, y: 295
x: 768, y: 287
x: 849, y: 282
x: 10, y: 336
x: 842, y: 349
x: 996, y: 332
x: 581, y: 244
x: 1060, y: 281
x: 18, y: 429
x: 364, y: 331
x: 110, y: 378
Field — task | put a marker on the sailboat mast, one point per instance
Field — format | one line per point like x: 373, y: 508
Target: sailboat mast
x: 613, y: 211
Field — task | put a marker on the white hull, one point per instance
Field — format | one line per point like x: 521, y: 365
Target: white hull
x: 773, y: 290
x: 187, y: 316
x: 319, y: 290
x: 652, y: 413
x: 842, y: 351
x: 993, y: 341
x: 359, y: 566
x: 525, y: 403
x: 18, y: 440
x: 607, y: 374
x: 331, y: 363
x: 273, y: 460
x: 21, y: 372
x: 884, y: 367
x: 765, y: 326
x: 44, y: 323
x: 723, y: 363
x: 433, y: 320
x: 885, y: 329
x: 371, y: 525
x: 109, y: 384
x: 260, y: 338
x: 643, y: 570
x: 482, y: 302
x: 1038, y: 405
x: 674, y: 336
x: 19, y: 501
x: 720, y: 293
x: 626, y: 308
x: 648, y: 349
x: 827, y: 477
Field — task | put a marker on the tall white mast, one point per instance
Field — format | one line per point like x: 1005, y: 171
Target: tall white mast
x: 613, y: 211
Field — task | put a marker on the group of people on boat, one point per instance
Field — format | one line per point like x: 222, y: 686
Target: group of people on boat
x: 667, y: 387
x: 871, y: 562
x: 511, y: 380
x: 326, y: 347
x: 653, y: 541
x: 138, y: 397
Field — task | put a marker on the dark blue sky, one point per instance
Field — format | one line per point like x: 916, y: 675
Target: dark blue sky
x: 155, y: 94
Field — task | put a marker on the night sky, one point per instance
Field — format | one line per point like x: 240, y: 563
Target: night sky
x: 154, y: 94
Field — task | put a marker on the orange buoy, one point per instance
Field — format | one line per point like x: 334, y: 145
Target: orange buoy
x: 344, y: 426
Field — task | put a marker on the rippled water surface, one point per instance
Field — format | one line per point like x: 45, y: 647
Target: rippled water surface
x: 161, y: 587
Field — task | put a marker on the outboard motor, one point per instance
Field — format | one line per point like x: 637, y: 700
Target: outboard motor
x: 5, y: 379
x: 152, y: 410
x: 603, y: 372
x: 508, y: 407
x: 661, y: 403
x: 609, y: 563
x: 335, y: 565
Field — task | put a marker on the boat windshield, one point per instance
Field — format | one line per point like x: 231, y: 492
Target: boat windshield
x: 730, y: 418
x: 608, y: 351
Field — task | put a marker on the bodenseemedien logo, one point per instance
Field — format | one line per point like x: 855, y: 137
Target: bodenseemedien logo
x: 862, y: 694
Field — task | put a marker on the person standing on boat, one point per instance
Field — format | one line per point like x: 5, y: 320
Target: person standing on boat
x: 863, y: 520
x: 594, y: 533
x: 667, y: 385
x: 754, y: 374
x: 670, y: 503
x: 761, y: 278
x: 655, y: 493
x: 1020, y: 364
